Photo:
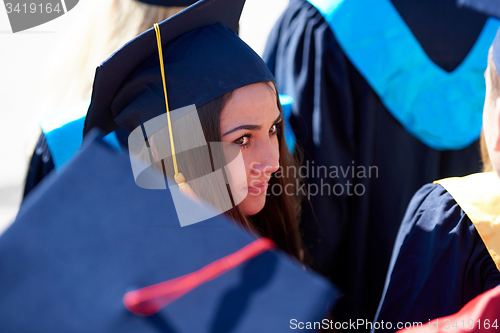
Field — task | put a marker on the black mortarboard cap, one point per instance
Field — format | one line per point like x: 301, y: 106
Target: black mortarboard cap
x: 203, y: 59
x: 89, y: 235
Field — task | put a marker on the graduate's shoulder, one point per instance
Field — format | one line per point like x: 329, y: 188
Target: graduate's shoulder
x: 434, y: 214
x: 478, y: 195
x: 482, y: 190
x: 459, y: 203
x: 475, y: 193
x: 301, y: 18
x: 433, y: 198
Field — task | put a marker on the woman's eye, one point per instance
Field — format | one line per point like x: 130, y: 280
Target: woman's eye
x: 274, y: 129
x: 244, y: 141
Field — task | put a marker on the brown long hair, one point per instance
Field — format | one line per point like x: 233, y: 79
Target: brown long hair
x: 279, y: 219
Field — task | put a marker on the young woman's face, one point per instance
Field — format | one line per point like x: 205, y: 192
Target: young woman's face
x: 250, y: 121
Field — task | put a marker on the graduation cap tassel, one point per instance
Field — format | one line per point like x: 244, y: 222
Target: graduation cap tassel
x: 149, y: 300
x: 178, y: 177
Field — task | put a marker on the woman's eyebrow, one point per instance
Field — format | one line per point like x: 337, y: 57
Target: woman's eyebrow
x: 280, y: 117
x: 247, y: 127
x: 250, y: 127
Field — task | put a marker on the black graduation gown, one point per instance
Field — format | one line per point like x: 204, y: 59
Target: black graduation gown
x: 40, y: 165
x: 439, y: 261
x: 340, y: 121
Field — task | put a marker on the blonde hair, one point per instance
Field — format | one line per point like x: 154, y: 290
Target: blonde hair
x: 104, y: 26
x: 485, y: 158
x: 495, y: 92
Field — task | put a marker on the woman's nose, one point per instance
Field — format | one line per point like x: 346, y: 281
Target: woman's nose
x: 267, y: 159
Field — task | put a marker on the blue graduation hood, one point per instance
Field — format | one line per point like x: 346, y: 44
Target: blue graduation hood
x: 408, y: 83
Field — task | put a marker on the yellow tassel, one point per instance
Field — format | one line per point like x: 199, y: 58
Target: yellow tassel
x: 184, y: 187
x: 179, y: 177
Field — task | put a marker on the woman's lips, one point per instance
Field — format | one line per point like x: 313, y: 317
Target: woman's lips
x: 258, y: 187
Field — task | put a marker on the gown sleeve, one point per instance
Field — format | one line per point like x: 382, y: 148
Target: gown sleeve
x: 40, y: 165
x: 439, y: 262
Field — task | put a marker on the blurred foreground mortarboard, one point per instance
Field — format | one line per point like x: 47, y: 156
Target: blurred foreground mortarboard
x: 203, y: 59
x: 88, y: 236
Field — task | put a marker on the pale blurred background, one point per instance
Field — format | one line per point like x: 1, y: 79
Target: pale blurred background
x: 23, y: 71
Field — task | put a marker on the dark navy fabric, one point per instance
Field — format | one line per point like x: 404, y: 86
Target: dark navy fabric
x: 439, y: 262
x: 40, y: 165
x: 89, y: 234
x: 439, y: 27
x: 340, y: 121
x: 489, y: 7
x: 203, y: 59
x: 492, y: 8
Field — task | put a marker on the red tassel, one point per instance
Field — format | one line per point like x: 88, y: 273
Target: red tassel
x: 149, y: 300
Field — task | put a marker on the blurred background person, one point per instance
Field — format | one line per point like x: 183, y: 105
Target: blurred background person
x: 447, y: 250
x: 390, y: 86
x: 103, y: 28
